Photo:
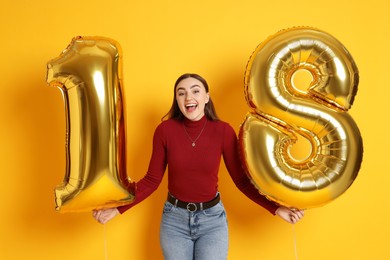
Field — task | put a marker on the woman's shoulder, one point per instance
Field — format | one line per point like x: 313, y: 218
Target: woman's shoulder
x: 165, y: 127
x: 221, y: 123
x: 167, y: 124
x: 223, y: 126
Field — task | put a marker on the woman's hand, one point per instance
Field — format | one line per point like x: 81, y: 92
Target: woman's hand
x: 104, y: 215
x: 289, y: 214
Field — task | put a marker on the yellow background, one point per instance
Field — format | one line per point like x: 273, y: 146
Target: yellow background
x: 161, y: 40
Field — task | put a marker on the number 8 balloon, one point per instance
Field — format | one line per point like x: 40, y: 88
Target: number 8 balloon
x: 88, y: 72
x: 280, y: 113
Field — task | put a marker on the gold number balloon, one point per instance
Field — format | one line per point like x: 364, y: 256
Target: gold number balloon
x: 281, y: 113
x: 88, y: 72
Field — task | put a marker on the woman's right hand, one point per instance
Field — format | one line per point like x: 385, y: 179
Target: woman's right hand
x: 290, y: 215
x: 104, y: 215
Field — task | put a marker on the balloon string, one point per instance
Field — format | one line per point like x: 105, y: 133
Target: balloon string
x: 105, y: 242
x: 295, y: 241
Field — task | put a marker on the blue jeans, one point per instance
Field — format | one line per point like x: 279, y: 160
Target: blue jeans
x: 200, y: 235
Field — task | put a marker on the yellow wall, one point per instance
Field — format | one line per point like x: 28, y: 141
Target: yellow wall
x: 161, y: 40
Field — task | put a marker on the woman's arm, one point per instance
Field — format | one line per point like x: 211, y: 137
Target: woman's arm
x: 241, y: 180
x: 234, y: 165
x: 147, y: 185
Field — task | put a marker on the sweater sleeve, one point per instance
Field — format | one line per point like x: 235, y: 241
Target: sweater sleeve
x: 234, y: 166
x: 157, y: 165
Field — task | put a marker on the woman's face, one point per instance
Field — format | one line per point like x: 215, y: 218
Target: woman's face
x: 191, y: 97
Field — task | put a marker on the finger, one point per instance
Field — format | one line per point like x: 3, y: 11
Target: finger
x: 297, y: 212
x: 97, y: 215
x: 292, y: 218
x: 295, y: 217
x: 102, y: 221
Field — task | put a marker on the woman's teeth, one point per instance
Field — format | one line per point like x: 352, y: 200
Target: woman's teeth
x: 191, y: 107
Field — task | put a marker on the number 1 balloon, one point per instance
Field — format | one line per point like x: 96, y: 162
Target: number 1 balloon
x: 280, y: 113
x: 88, y: 72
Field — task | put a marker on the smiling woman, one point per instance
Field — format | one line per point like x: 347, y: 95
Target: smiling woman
x: 194, y: 220
x: 192, y: 98
x: 195, y: 81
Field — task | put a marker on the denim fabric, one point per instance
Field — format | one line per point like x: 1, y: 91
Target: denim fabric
x: 201, y: 235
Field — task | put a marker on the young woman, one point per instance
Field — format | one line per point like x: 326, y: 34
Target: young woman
x: 191, y: 142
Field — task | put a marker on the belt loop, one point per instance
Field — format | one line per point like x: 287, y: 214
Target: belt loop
x: 176, y: 200
x: 201, y: 205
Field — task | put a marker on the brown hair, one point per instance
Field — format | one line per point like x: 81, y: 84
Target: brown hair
x: 175, y: 113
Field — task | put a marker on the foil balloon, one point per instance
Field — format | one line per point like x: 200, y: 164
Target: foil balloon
x: 88, y: 73
x: 281, y: 113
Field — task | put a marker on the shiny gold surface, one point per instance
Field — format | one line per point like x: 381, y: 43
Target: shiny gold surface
x: 88, y: 72
x: 281, y: 112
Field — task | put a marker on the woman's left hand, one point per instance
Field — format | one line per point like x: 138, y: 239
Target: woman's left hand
x: 290, y: 215
x: 104, y: 215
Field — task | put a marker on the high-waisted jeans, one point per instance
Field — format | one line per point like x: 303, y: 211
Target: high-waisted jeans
x: 200, y: 235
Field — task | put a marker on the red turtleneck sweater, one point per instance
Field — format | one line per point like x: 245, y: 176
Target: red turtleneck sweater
x: 193, y: 171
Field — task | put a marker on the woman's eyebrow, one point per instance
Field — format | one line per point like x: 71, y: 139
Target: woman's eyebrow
x: 181, y: 88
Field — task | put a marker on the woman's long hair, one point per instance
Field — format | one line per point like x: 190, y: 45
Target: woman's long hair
x: 175, y: 113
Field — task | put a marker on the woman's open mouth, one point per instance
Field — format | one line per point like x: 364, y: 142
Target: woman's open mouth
x: 191, y: 107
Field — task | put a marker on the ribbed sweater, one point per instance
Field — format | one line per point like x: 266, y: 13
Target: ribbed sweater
x: 193, y: 170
